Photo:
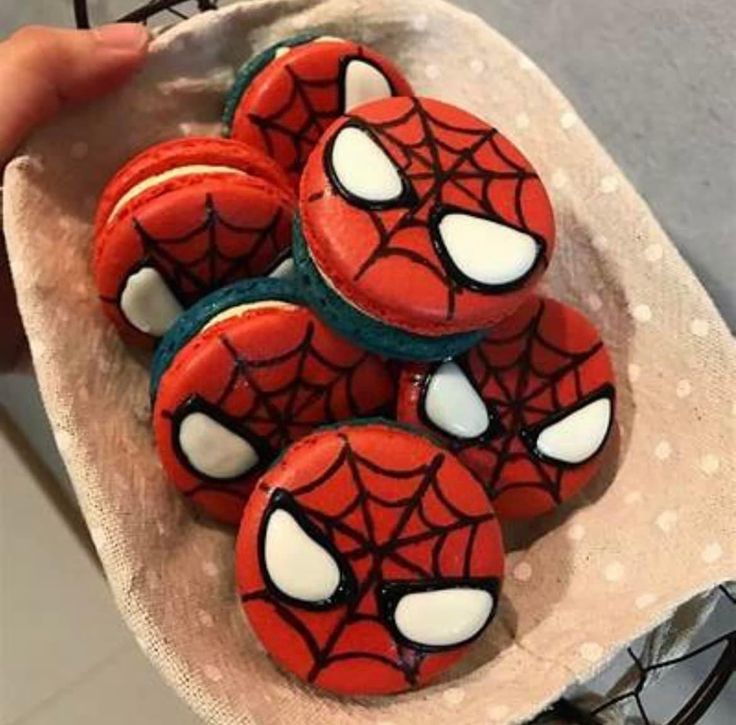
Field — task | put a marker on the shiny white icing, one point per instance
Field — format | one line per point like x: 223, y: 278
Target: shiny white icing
x: 162, y: 178
x: 238, y: 310
x: 212, y: 449
x: 296, y: 563
x: 363, y: 82
x: 282, y: 51
x: 148, y: 303
x: 363, y: 168
x: 578, y: 435
x: 443, y: 617
x: 486, y: 251
x: 328, y: 39
x: 284, y: 270
x: 453, y: 404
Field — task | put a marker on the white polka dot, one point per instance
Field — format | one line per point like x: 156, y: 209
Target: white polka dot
x: 591, y: 651
x: 712, y: 553
x: 453, y: 696
x: 212, y: 673
x: 699, y: 328
x: 614, y: 572
x: 525, y: 63
x: 667, y: 520
x: 205, y: 618
x: 709, y: 464
x: 594, y: 302
x: 477, y: 66
x: 643, y: 313
x: 609, y: 184
x: 210, y: 568
x: 522, y: 572
x: 497, y: 712
x: 634, y: 371
x: 653, y: 253
x: 420, y: 21
x: 684, y: 388
x: 559, y: 179
x: 568, y: 119
x: 663, y: 450
x: 576, y: 532
x: 599, y: 241
x: 633, y: 497
x: 432, y: 71
x: 645, y: 600
x: 79, y: 150
x: 522, y: 120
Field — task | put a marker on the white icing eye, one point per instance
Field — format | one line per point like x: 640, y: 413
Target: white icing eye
x: 453, y: 404
x: 443, y: 617
x: 284, y: 270
x: 214, y: 450
x: 296, y: 564
x: 577, y: 436
x: 362, y: 168
x: 486, y: 252
x: 363, y: 82
x: 148, y: 303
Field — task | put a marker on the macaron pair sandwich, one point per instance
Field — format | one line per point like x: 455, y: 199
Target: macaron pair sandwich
x: 241, y: 375
x: 181, y: 219
x: 284, y: 99
x: 419, y: 227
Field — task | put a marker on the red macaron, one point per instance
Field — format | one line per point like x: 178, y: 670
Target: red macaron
x: 529, y: 409
x: 450, y: 227
x: 261, y: 372
x: 285, y: 98
x: 368, y: 559
x: 181, y: 219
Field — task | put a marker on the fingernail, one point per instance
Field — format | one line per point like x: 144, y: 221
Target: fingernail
x: 123, y: 36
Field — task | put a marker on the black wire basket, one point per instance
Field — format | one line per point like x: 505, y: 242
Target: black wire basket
x: 163, y: 10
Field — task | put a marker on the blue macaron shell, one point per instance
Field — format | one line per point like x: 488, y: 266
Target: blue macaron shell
x: 250, y: 70
x: 365, y: 331
x: 196, y: 317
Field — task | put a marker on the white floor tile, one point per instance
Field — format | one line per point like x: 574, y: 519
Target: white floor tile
x: 121, y: 691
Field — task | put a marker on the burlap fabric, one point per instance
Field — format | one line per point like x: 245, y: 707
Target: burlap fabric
x: 657, y: 527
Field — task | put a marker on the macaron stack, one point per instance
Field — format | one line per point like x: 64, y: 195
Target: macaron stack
x: 352, y: 360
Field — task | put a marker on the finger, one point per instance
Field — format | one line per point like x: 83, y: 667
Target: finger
x: 42, y: 69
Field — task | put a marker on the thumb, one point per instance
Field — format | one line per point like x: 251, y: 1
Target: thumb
x: 42, y: 69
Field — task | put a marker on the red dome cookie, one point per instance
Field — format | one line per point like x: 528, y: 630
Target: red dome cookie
x: 449, y: 226
x: 368, y: 559
x: 284, y: 105
x: 528, y: 410
x: 181, y: 219
x: 258, y: 376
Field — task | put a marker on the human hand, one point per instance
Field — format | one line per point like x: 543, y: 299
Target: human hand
x: 42, y: 70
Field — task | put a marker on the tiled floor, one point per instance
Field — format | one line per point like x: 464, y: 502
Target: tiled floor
x: 65, y: 656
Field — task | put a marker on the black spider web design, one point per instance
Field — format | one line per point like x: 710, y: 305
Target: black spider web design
x: 693, y: 710
x: 514, y: 405
x: 213, y: 268
x: 146, y: 11
x: 421, y: 163
x: 407, y: 661
x: 284, y: 420
x: 304, y: 137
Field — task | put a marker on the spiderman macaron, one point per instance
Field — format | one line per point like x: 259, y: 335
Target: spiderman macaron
x: 284, y: 99
x: 529, y: 409
x: 241, y: 375
x: 368, y: 559
x: 419, y: 226
x: 181, y: 219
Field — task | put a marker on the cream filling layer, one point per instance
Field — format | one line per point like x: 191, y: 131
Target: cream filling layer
x: 162, y: 178
x: 238, y: 310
